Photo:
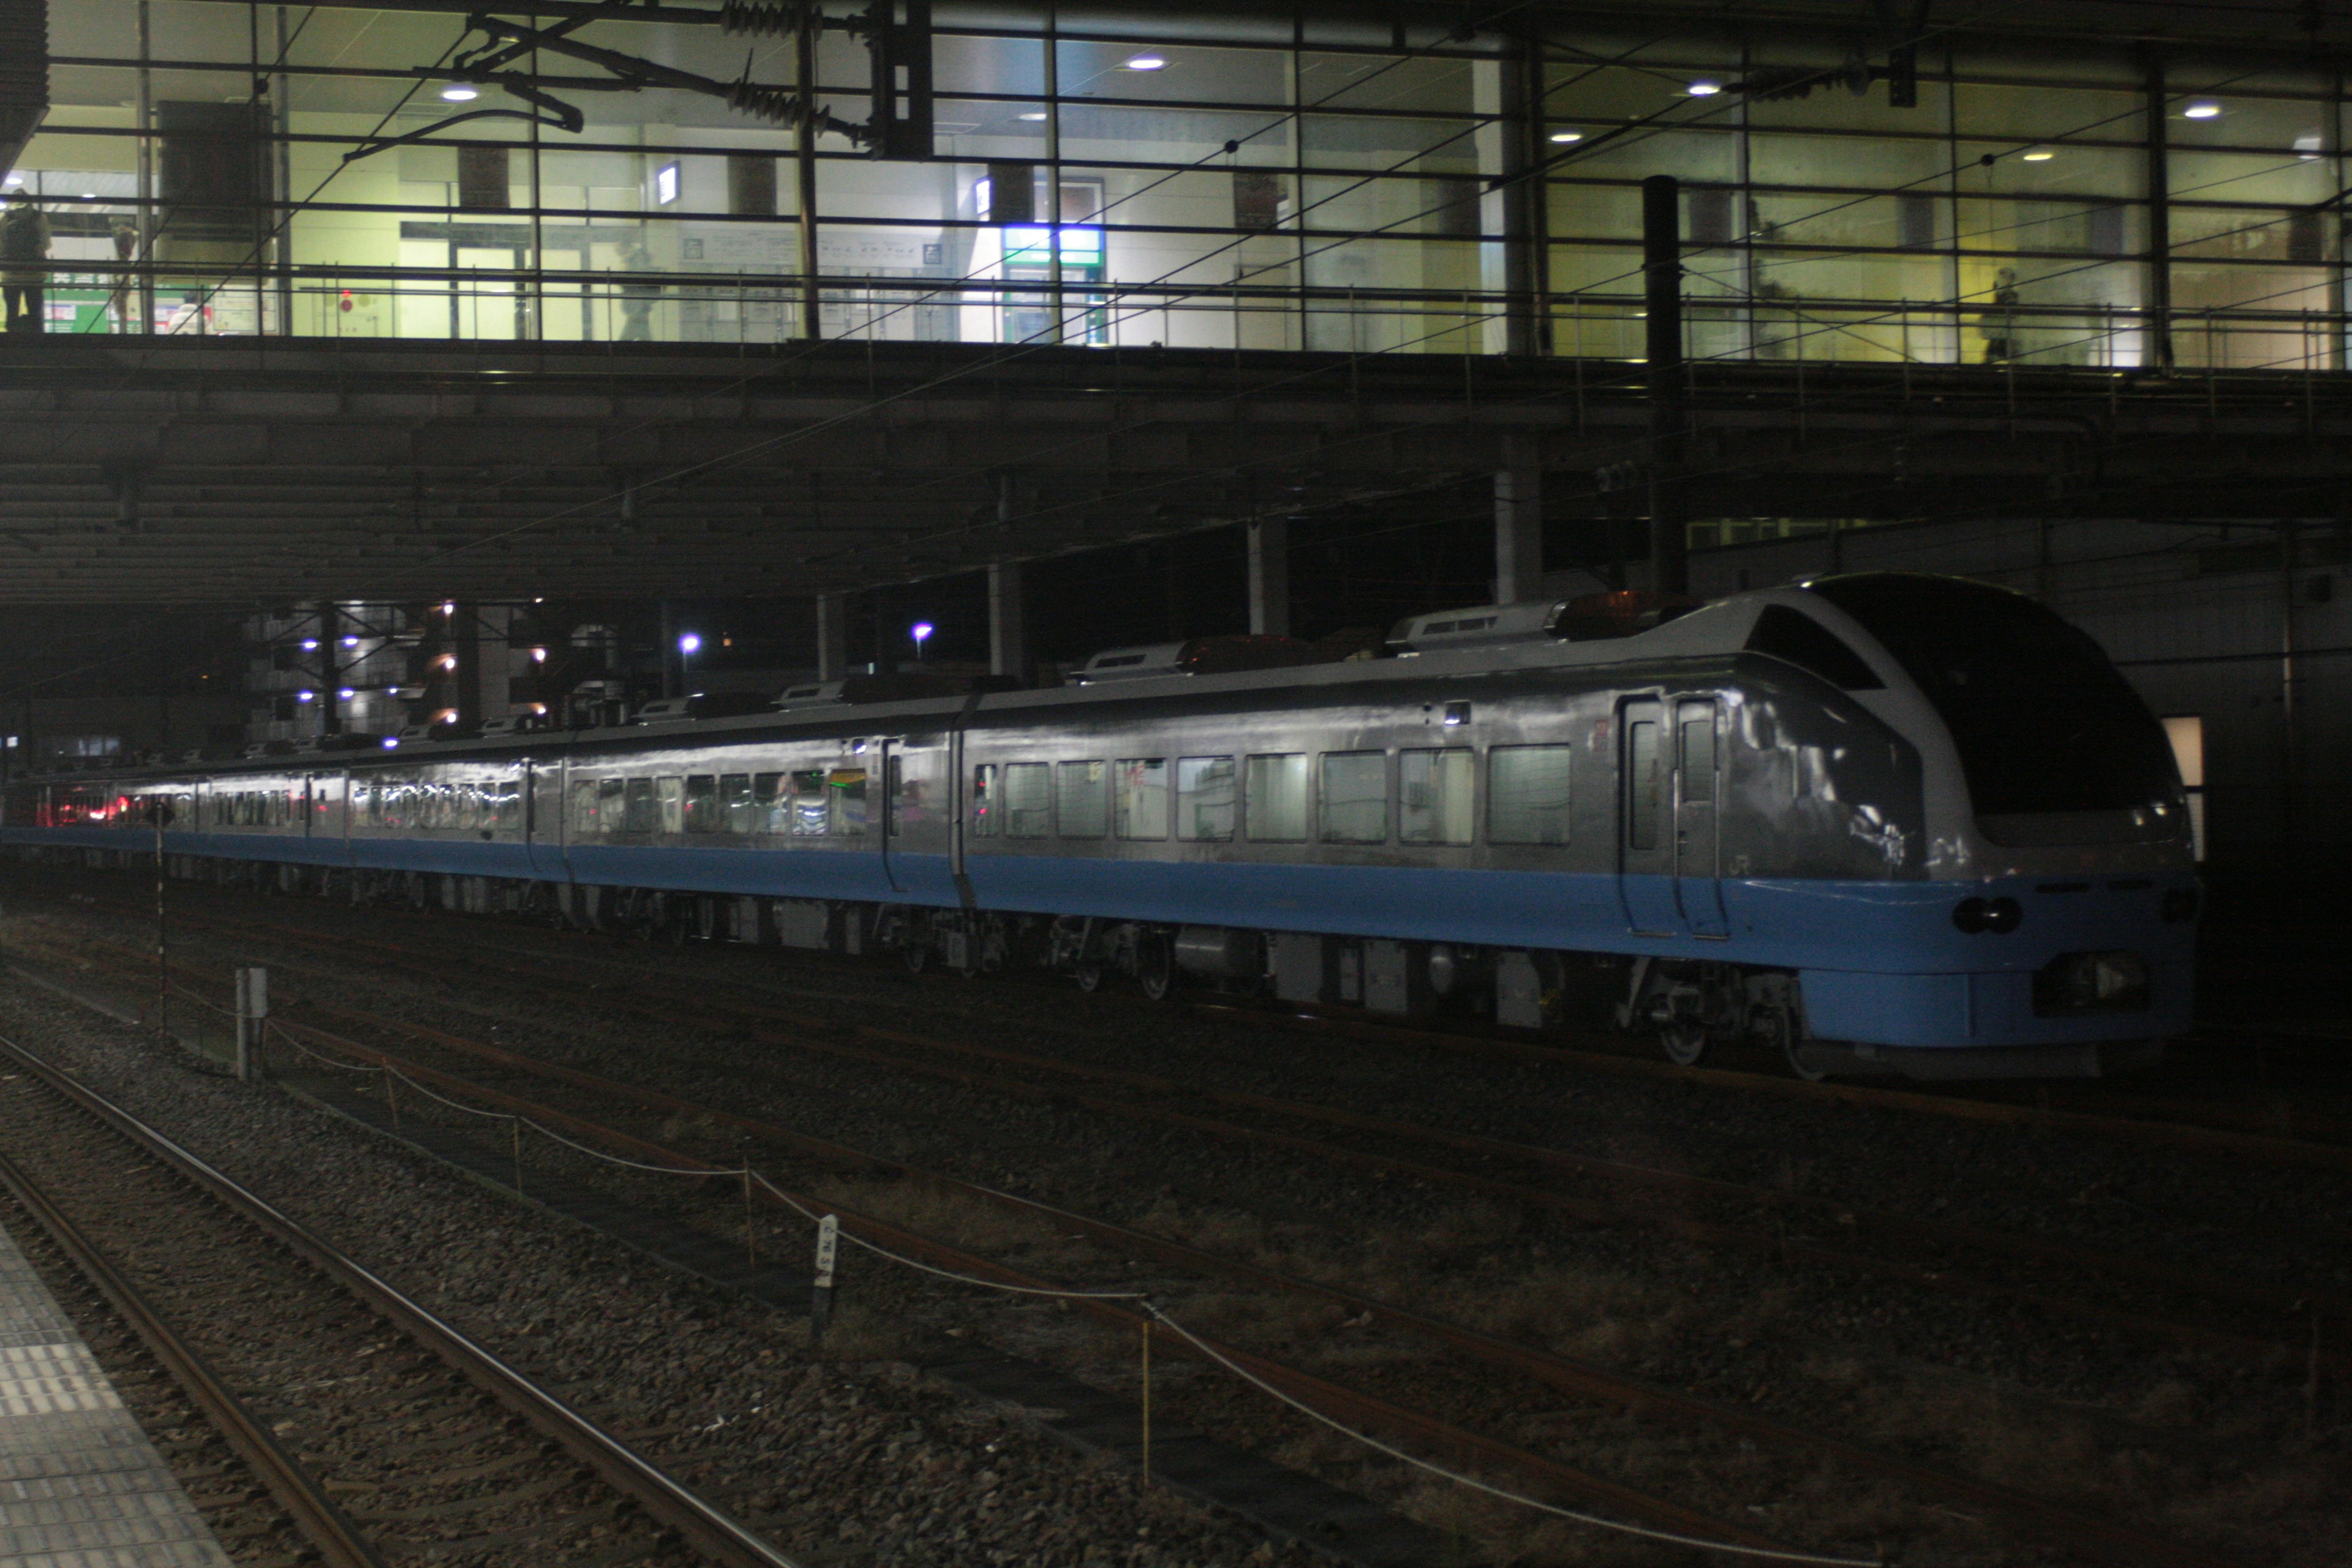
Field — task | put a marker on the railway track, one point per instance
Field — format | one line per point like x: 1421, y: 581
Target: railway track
x: 382, y: 1431
x: 2077, y: 1530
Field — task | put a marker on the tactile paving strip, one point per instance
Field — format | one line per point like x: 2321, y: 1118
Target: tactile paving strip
x: 80, y: 1486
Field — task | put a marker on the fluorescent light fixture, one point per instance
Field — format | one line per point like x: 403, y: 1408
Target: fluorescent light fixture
x: 305, y: 696
x: 351, y: 642
x: 458, y: 92
x: 1564, y: 137
x: 1032, y: 116
x: 309, y: 644
x: 346, y: 694
x: 1703, y: 88
x: 666, y: 184
x: 2306, y: 147
x: 2202, y: 111
x: 2040, y: 157
x: 1145, y: 63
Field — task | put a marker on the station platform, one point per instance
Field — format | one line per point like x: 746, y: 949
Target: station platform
x: 80, y: 1486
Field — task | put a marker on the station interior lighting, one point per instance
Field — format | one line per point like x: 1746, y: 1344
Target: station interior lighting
x: 305, y: 696
x: 309, y: 644
x: 351, y: 642
x: 690, y: 643
x: 2201, y: 111
x: 2040, y: 157
x: 1704, y: 89
x: 458, y: 92
x: 1034, y: 116
x: 346, y: 694
x: 1564, y: 137
x: 1146, y: 62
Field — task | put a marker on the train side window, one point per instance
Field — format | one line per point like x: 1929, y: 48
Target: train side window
x: 611, y: 806
x: 1140, y: 809
x: 1080, y: 792
x: 772, y: 805
x: 1204, y: 799
x: 847, y: 788
x: 701, y: 802
x: 1355, y: 798
x: 643, y: 815
x: 582, y: 824
x: 1273, y: 798
x: 506, y: 812
x: 1645, y: 784
x: 1028, y: 800
x: 983, y: 801
x: 1435, y: 796
x: 1529, y: 795
x: 735, y: 808
x: 811, y: 812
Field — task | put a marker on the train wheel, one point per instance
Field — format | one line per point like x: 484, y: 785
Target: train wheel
x: 1088, y: 976
x: 1155, y: 967
x: 1792, y: 1050
x: 1684, y: 1042
x: 915, y: 956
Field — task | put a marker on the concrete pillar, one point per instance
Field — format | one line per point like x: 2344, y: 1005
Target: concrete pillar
x: 1269, y: 576
x: 1008, y: 621
x: 1518, y: 534
x: 831, y: 636
x: 492, y: 679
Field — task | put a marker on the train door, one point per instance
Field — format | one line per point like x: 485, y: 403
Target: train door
x: 918, y: 806
x: 542, y: 821
x: 1698, y: 793
x: 1646, y: 846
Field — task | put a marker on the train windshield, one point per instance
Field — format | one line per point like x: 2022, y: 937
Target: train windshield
x: 2043, y: 722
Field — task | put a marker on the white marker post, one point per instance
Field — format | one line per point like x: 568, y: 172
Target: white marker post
x: 252, y: 1013
x: 828, y: 1242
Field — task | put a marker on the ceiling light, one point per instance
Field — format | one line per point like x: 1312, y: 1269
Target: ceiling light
x: 2202, y: 111
x: 1565, y: 136
x: 1145, y: 63
x: 2306, y: 147
x: 2040, y: 157
x: 1034, y: 115
x: 1704, y: 89
x: 458, y: 92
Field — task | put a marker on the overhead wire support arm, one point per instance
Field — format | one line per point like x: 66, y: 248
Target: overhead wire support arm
x: 766, y: 102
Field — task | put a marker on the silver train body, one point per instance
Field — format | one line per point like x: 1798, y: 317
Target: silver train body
x: 1890, y: 822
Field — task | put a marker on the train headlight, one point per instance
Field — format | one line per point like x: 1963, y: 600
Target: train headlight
x: 2091, y: 983
x: 1998, y: 916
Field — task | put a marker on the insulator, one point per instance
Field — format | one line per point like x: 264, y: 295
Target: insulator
x: 765, y: 18
x: 781, y: 104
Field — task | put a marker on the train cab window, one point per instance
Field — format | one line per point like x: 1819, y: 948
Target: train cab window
x: 1081, y: 799
x: 1140, y: 803
x: 983, y: 801
x: 1205, y: 806
x: 811, y: 812
x: 1646, y: 780
x: 701, y: 802
x: 1528, y: 789
x: 1434, y: 791
x: 1795, y: 638
x: 737, y: 815
x: 846, y: 788
x: 772, y: 804
x: 1273, y: 798
x: 641, y: 814
x: 1355, y: 798
x: 1028, y: 800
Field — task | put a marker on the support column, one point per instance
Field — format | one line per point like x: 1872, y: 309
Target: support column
x: 831, y: 636
x: 1008, y: 622
x: 2159, y: 353
x: 1518, y: 536
x: 1269, y: 576
x: 492, y: 678
x: 331, y: 673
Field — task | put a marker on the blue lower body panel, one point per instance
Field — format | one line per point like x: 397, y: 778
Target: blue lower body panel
x: 1879, y: 962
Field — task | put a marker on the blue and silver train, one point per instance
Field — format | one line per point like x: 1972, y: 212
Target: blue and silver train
x: 1882, y: 823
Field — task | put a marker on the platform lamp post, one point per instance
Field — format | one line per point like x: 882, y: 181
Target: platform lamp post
x: 689, y: 645
x: 159, y: 811
x: 921, y: 632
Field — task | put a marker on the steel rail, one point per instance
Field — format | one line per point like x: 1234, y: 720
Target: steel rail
x: 339, y: 1540
x: 2113, y: 1542
x: 662, y: 1497
x: 1335, y: 1399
